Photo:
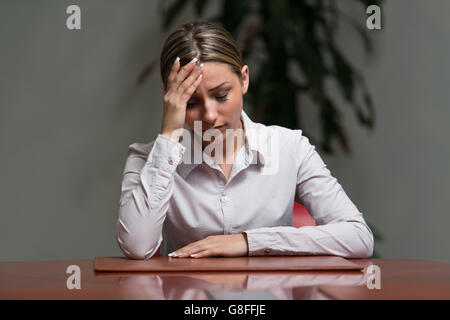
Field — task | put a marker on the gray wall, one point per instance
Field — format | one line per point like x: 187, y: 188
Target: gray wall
x: 399, y: 174
x: 69, y: 107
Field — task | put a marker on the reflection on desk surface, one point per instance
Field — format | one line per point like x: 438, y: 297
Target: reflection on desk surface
x: 285, y: 285
x: 174, y: 288
x: 400, y: 279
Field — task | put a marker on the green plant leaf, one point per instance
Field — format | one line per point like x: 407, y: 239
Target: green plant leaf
x: 343, y: 72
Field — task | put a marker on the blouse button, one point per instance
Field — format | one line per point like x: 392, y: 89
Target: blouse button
x: 170, y: 161
x: 267, y: 251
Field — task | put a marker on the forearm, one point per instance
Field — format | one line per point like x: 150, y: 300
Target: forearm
x: 349, y: 239
x: 139, y: 228
x: 146, y: 191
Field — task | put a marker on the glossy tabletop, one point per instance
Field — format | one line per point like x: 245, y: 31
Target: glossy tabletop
x: 398, y: 279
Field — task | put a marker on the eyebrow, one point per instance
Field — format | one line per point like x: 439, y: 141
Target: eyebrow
x: 212, y: 89
x: 217, y: 87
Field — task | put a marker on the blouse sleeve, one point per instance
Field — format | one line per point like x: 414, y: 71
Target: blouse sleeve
x: 341, y: 229
x: 147, y: 187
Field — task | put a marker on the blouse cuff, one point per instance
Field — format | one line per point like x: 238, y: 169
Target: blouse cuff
x: 260, y: 243
x: 166, y: 154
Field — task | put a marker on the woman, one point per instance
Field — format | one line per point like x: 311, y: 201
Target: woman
x: 236, y: 197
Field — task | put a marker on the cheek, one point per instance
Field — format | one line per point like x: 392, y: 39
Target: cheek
x: 191, y: 116
x: 233, y: 104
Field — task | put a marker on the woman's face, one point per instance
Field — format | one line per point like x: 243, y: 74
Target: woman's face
x: 218, y: 99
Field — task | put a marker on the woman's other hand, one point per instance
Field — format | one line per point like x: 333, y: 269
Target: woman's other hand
x: 221, y: 245
x: 181, y: 84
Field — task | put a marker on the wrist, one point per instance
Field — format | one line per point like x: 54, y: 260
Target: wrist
x: 172, y: 135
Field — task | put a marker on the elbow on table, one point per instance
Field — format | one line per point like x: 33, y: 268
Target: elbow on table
x: 364, y: 251
x: 365, y: 244
x: 136, y: 252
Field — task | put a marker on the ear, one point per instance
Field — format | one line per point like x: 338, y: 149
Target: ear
x: 245, y: 78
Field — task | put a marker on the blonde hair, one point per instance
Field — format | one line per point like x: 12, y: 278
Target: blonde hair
x: 203, y: 40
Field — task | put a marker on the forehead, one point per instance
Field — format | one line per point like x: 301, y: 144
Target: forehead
x: 214, y: 73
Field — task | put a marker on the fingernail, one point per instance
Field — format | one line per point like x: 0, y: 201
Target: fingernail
x: 194, y: 60
x: 201, y: 65
x: 177, y: 59
x: 194, y: 255
x: 173, y: 254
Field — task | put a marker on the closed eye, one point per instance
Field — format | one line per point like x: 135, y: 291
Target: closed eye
x: 220, y: 99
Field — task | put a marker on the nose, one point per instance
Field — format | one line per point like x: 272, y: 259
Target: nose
x: 209, y: 115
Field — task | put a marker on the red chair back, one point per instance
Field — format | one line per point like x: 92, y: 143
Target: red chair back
x: 302, y: 217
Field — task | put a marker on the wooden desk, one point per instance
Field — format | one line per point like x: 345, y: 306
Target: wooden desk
x: 400, y: 279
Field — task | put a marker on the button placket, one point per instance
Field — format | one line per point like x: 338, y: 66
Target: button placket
x: 226, y: 199
x: 227, y: 212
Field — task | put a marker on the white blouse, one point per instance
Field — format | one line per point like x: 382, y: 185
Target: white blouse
x: 169, y: 199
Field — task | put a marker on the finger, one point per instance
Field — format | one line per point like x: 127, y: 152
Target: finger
x: 187, y: 94
x: 185, y: 71
x: 187, y: 250
x: 185, y: 253
x: 173, y: 72
x: 189, y: 81
x: 203, y: 254
x: 207, y: 242
x: 196, y: 247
